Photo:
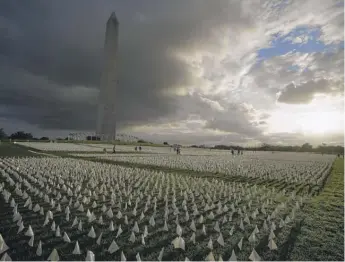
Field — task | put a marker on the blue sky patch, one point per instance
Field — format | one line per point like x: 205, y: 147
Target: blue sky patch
x: 301, y: 39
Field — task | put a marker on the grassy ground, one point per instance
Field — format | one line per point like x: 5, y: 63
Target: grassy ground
x: 12, y: 150
x: 321, y: 233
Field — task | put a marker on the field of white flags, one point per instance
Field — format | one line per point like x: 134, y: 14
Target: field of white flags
x: 307, y: 169
x: 84, y: 147
x: 73, y: 209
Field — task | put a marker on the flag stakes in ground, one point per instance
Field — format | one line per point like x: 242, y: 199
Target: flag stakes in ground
x: 5, y: 257
x: 232, y: 230
x: 216, y: 227
x: 204, y: 230
x: 31, y: 241
x: 76, y: 250
x: 132, y: 238
x: 210, y: 257
x: 256, y: 230
x: 233, y: 256
x: 66, y: 238
x: 210, y: 244
x: 3, y: 246
x: 80, y: 226
x: 220, y: 240
x: 192, y: 226
x: 272, y: 245
x: 54, y: 256
x: 241, y: 225
x: 39, y: 249
x: 123, y: 258
x: 75, y: 222
x: 240, y: 244
x: 160, y: 256
x: 90, y: 256
x: 165, y: 227
x: 119, y: 215
x: 29, y: 232
x: 99, y: 239
x: 252, y: 238
x: 146, y: 231
x: 53, y: 226
x: 192, y: 239
x: 57, y: 232
x: 21, y: 227
x: 119, y: 231
x: 179, y: 243
x: 254, y: 256
x: 135, y: 227
x: 178, y: 230
x: 271, y: 235
x: 110, y: 213
x: 92, y: 233
x: 111, y: 226
x: 113, y: 247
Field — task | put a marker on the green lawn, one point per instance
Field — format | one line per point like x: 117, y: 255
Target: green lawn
x: 321, y: 236
x: 11, y: 150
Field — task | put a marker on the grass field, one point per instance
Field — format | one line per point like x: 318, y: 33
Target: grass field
x: 321, y: 236
x: 12, y: 150
x: 315, y: 233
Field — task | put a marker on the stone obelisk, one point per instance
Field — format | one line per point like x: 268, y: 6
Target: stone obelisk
x: 106, y: 119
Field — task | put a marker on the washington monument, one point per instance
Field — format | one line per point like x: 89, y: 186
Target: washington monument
x: 106, y: 118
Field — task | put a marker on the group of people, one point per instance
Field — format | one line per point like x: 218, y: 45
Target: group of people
x: 114, y: 149
x: 239, y: 152
x: 105, y: 150
x: 177, y: 149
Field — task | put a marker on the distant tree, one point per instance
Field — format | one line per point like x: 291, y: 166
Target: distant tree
x: 165, y: 143
x: 21, y: 135
x: 307, y: 147
x: 44, y: 138
x: 2, y: 134
x: 141, y: 141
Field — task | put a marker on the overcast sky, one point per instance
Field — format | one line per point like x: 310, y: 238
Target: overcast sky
x: 190, y: 71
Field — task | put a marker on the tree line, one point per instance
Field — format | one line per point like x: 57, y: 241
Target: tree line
x: 20, y: 135
x: 306, y: 147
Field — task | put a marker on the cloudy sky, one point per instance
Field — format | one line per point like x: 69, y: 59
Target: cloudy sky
x: 190, y: 71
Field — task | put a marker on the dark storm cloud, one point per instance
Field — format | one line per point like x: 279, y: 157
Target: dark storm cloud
x: 304, y: 93
x: 49, y: 49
